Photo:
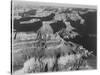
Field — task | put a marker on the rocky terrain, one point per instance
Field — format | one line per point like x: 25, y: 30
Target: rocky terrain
x: 47, y: 38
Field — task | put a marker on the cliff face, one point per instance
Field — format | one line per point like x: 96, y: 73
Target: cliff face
x: 80, y: 19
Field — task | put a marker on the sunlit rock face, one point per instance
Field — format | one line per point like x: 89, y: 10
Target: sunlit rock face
x: 45, y: 39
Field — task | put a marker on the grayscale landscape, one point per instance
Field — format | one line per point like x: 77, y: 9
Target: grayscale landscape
x: 48, y: 38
